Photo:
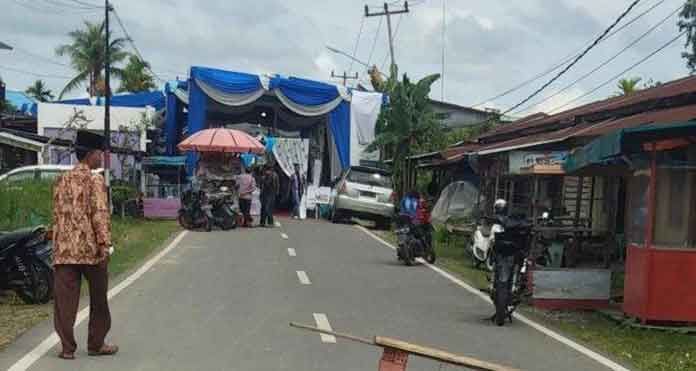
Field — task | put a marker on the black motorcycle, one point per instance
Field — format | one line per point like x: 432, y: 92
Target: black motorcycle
x: 510, y: 264
x: 415, y: 241
x: 192, y: 215
x: 220, y: 209
x: 26, y: 264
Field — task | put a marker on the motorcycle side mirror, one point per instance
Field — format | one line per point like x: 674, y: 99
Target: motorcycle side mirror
x: 224, y: 189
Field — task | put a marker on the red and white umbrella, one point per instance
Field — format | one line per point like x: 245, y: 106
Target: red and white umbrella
x: 222, y: 140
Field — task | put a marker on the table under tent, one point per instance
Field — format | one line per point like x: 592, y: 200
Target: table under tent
x: 301, y: 121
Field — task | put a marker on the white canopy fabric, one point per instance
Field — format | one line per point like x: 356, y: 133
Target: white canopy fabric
x: 290, y: 151
x: 457, y: 200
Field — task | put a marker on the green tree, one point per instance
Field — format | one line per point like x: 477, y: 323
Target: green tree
x: 86, y: 51
x: 687, y: 22
x: 136, y: 76
x: 408, y: 124
x: 40, y: 91
x: 628, y: 86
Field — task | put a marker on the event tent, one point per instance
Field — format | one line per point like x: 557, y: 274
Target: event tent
x: 294, y: 103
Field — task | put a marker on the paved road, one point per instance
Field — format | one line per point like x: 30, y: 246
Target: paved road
x: 223, y: 301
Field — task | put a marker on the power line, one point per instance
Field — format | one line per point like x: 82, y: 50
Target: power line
x: 357, y: 42
x: 45, y: 76
x: 603, y: 64
x: 567, y: 58
x: 374, y: 42
x: 42, y: 58
x: 576, y: 60
x: 622, y: 73
x: 132, y: 43
x: 52, y: 10
x: 70, y: 5
x: 83, y: 3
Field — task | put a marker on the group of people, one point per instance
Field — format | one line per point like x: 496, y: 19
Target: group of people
x: 268, y: 183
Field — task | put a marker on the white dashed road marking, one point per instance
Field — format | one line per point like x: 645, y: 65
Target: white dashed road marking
x: 544, y: 330
x: 302, y: 276
x: 292, y: 251
x: 278, y: 225
x: 284, y: 236
x: 323, y: 324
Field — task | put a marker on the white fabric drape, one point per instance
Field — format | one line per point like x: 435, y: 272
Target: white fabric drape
x: 182, y: 95
x: 229, y: 99
x: 307, y: 110
x: 290, y: 151
x: 364, y: 111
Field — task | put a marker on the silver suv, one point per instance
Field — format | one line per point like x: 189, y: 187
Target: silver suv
x: 365, y: 193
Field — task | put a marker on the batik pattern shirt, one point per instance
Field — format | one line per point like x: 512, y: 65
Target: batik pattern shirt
x: 81, y: 218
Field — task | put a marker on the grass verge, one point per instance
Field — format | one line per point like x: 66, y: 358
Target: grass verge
x: 644, y: 349
x: 134, y: 240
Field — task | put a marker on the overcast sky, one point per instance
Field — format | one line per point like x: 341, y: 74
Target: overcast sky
x: 491, y: 45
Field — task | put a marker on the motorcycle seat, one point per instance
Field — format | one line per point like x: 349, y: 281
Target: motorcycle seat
x: 20, y: 235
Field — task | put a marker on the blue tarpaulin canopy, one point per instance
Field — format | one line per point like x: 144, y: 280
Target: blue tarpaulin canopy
x: 24, y: 103
x: 210, y: 87
x: 155, y: 99
x: 609, y: 149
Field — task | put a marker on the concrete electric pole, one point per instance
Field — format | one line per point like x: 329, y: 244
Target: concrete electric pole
x: 388, y: 13
x: 345, y: 77
x: 107, y: 98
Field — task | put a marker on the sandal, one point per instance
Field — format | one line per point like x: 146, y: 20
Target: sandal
x: 106, y: 350
x: 66, y: 356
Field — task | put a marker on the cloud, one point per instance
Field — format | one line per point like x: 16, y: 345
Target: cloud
x: 489, y: 46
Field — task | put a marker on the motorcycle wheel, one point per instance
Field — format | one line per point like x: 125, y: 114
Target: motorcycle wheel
x: 408, y: 255
x: 38, y: 283
x: 229, y: 222
x: 501, y: 303
x: 489, y: 262
x: 208, y: 224
x: 430, y: 256
x: 185, y: 220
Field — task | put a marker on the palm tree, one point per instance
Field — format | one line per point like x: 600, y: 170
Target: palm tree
x: 136, y: 76
x: 86, y: 52
x: 628, y: 86
x: 408, y: 125
x: 40, y: 91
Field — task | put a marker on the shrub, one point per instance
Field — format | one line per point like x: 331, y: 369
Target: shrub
x: 26, y: 204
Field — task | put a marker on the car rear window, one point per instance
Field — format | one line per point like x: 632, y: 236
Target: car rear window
x: 370, y: 178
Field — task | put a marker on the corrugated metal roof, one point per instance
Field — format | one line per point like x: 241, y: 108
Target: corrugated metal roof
x: 673, y: 88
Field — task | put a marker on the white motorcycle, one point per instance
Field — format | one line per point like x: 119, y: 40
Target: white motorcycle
x: 483, y: 240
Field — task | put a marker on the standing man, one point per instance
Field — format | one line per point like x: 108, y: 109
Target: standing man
x: 297, y: 187
x: 247, y: 186
x: 270, y: 187
x: 82, y: 246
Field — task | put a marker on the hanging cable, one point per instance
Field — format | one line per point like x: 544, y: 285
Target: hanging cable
x: 619, y: 75
x: 566, y: 59
x: 396, y: 33
x: 132, y: 43
x: 41, y: 75
x: 374, y: 42
x: 576, y: 60
x: 357, y: 43
x: 603, y: 64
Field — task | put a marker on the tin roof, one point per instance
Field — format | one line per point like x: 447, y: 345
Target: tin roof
x: 686, y: 85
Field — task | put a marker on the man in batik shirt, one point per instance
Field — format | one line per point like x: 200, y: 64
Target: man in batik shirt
x: 82, y: 246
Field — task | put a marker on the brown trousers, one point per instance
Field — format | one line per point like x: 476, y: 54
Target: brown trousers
x: 67, y: 283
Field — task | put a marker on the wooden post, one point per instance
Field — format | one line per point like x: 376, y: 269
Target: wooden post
x: 535, y: 199
x: 578, y: 199
x: 652, y: 191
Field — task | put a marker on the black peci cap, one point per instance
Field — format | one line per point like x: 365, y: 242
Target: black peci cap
x: 88, y: 141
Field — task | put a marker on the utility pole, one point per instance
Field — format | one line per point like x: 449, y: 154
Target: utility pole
x: 388, y: 13
x: 345, y: 77
x: 107, y: 99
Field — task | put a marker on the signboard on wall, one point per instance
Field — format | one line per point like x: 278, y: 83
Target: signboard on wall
x: 520, y: 160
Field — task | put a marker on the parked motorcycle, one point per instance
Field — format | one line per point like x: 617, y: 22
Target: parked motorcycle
x: 220, y: 209
x: 415, y: 241
x: 483, y: 241
x: 192, y: 215
x: 510, y: 264
x: 26, y: 264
